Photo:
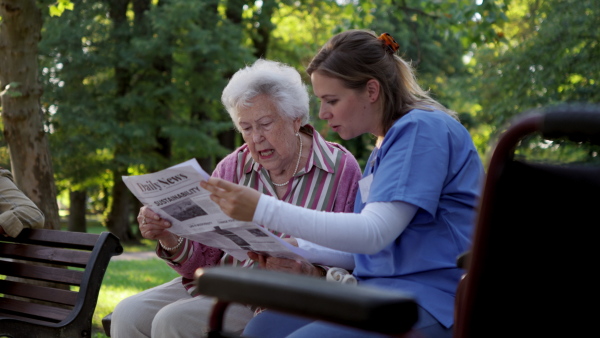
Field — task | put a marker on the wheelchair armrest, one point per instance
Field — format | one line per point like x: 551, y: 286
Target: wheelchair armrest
x: 361, y: 307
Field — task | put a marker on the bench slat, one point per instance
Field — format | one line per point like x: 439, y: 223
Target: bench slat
x: 26, y: 319
x: 56, y: 238
x: 45, y: 254
x: 32, y: 310
x: 38, y: 292
x: 42, y: 273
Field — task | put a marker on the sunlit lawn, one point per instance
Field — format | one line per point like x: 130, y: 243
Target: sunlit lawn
x: 124, y: 278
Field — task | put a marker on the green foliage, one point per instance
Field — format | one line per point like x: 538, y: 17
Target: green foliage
x: 75, y: 98
x: 11, y: 90
x: 551, y: 57
x: 487, y: 60
x: 177, y: 71
x: 535, y: 148
x: 60, y: 6
x: 302, y: 27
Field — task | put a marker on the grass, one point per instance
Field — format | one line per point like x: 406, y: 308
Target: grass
x: 124, y: 278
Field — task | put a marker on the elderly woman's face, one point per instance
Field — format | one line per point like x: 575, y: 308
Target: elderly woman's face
x: 270, y: 136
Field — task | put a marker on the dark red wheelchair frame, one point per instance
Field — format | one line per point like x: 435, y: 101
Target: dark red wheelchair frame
x: 531, y: 265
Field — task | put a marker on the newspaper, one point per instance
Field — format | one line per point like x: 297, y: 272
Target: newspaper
x: 175, y: 194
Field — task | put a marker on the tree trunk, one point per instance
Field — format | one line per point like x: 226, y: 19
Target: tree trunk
x: 20, y: 32
x: 77, y: 209
x: 118, y: 221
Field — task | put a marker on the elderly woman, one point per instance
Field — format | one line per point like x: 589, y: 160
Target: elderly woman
x: 284, y: 157
x: 17, y: 211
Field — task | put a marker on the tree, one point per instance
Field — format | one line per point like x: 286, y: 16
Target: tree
x: 20, y: 31
x: 551, y: 57
x: 137, y: 92
x: 77, y: 140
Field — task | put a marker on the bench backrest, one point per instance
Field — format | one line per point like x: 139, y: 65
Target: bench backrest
x: 50, y: 281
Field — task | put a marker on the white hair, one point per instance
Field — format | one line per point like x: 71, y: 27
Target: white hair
x: 278, y: 81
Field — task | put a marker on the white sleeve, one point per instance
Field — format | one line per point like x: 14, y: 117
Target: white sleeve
x: 321, y: 255
x: 369, y: 232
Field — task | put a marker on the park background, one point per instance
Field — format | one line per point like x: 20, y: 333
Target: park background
x: 95, y: 89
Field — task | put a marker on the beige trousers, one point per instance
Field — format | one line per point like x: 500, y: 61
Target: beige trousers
x: 169, y: 311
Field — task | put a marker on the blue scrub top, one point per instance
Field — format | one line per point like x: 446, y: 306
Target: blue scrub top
x: 426, y: 159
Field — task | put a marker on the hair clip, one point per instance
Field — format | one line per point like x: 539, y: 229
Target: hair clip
x: 389, y: 41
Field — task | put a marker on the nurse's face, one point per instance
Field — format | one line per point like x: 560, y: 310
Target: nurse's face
x: 349, y: 112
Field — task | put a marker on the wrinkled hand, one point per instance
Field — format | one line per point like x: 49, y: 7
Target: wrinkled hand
x: 285, y: 265
x: 236, y: 201
x: 152, y: 226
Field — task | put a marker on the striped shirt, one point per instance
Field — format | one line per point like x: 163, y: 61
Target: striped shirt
x: 327, y: 182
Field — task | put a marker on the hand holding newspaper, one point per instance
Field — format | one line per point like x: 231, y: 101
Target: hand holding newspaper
x: 175, y: 194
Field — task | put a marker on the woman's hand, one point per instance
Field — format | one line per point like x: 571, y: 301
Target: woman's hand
x: 236, y: 201
x: 286, y: 265
x: 152, y: 226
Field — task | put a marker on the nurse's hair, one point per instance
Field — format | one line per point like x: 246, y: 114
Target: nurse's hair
x: 280, y: 82
x: 357, y: 56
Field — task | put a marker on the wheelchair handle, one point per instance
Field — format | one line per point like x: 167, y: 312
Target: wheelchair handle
x: 578, y: 123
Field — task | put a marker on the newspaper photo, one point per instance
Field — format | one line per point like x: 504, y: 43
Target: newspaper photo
x: 175, y: 194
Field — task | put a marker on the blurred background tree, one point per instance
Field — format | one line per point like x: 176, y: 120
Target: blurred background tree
x: 550, y: 56
x: 133, y: 86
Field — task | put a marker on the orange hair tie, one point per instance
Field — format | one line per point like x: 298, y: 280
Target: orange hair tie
x: 389, y: 41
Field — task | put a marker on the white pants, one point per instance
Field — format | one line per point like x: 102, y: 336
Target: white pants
x: 169, y: 311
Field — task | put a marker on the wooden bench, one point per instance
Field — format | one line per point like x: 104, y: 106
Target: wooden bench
x: 70, y: 265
